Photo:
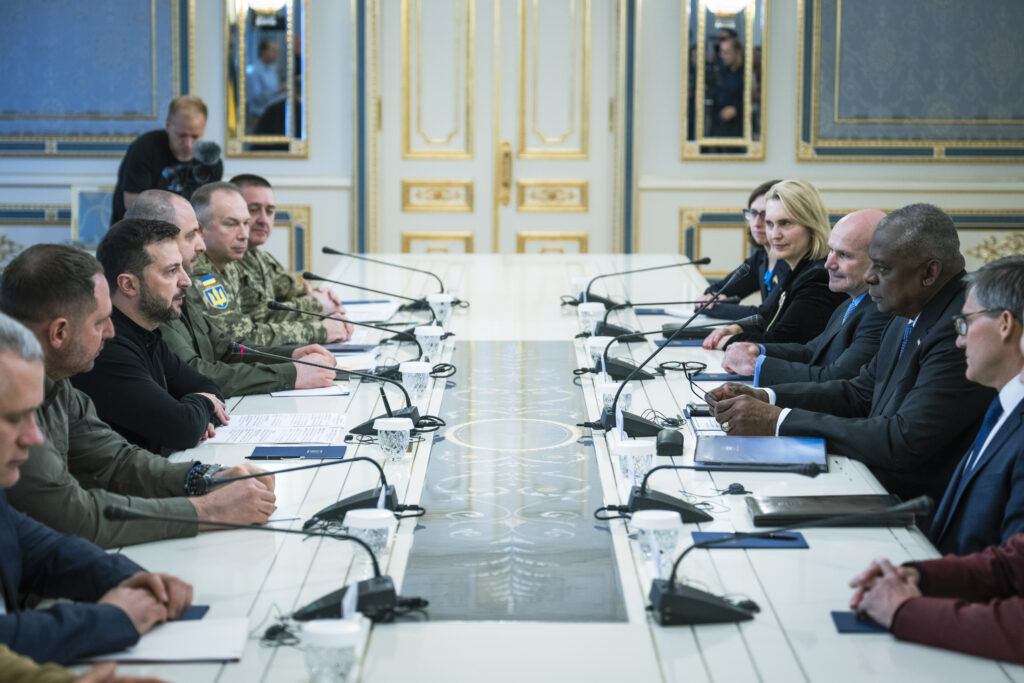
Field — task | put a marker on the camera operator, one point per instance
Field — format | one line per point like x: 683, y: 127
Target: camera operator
x: 169, y: 159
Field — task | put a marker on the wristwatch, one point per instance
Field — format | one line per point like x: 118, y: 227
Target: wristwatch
x: 199, y: 479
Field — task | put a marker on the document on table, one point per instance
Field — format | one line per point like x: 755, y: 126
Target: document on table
x: 357, y: 361
x: 705, y: 424
x: 280, y: 428
x: 206, y: 640
x: 372, y: 311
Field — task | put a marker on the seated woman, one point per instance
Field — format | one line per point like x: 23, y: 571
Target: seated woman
x: 972, y: 604
x: 765, y: 269
x: 798, y: 232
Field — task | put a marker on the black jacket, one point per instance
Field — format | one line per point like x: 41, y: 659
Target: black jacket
x: 145, y: 392
x: 745, y: 286
x: 804, y: 306
x: 836, y: 353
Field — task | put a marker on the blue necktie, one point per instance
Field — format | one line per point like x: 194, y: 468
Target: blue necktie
x: 906, y: 337
x: 995, y: 410
x: 849, y: 309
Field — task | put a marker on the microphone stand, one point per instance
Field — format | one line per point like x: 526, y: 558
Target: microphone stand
x: 366, y: 428
x: 377, y: 599
x: 606, y: 329
x: 306, y: 275
x: 642, y: 498
x: 755, y: 321
x: 674, y: 604
x: 278, y: 306
x: 634, y: 425
x: 608, y: 303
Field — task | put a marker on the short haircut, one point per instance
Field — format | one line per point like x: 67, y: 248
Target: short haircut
x: 187, y: 105
x: 17, y: 339
x: 49, y: 281
x: 1000, y: 285
x: 250, y: 180
x: 203, y: 198
x: 758, y: 191
x: 154, y: 205
x: 805, y: 206
x: 123, y: 248
x: 736, y: 44
x: 926, y: 231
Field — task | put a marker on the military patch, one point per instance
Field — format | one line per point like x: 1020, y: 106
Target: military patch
x: 213, y: 292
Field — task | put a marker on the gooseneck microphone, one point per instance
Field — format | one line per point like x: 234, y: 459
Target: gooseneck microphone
x: 376, y: 597
x: 755, y: 321
x: 674, y: 604
x: 278, y: 306
x: 312, y: 277
x: 635, y: 425
x: 410, y: 411
x: 642, y: 498
x: 587, y: 296
x: 335, y: 252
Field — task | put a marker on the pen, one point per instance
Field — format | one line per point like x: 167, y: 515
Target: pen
x: 782, y: 537
x: 273, y: 457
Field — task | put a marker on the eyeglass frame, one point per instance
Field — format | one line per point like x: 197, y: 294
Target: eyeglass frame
x: 961, y: 319
x: 751, y: 214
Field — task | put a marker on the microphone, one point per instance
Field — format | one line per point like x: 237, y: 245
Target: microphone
x: 639, y: 425
x: 206, y: 152
x: 642, y: 498
x: 377, y: 599
x: 335, y: 252
x: 674, y: 604
x: 278, y: 306
x: 606, y: 329
x: 417, y: 304
x: 587, y: 296
x: 668, y: 329
x: 365, y: 429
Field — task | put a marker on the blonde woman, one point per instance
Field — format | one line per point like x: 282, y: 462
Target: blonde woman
x: 798, y: 231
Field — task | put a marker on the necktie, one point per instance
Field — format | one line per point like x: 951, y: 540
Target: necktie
x: 906, y: 337
x: 995, y: 410
x: 849, y: 309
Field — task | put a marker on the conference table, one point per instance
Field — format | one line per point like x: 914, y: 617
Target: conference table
x: 524, y: 583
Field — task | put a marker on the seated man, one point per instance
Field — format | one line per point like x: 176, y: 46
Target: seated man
x: 261, y: 270
x: 219, y: 292
x: 202, y: 345
x: 851, y: 337
x: 139, y: 386
x: 972, y: 604
x: 61, y: 295
x: 116, y: 600
x: 910, y: 413
x: 984, y: 504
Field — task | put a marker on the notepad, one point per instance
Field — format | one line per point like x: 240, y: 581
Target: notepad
x: 849, y: 622
x: 280, y: 428
x: 333, y: 390
x: 206, y: 640
x: 721, y: 377
x: 679, y: 342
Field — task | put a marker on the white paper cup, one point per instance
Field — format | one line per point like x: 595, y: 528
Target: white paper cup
x: 441, y: 304
x: 373, y: 526
x: 331, y: 649
x: 590, y: 314
x: 635, y: 457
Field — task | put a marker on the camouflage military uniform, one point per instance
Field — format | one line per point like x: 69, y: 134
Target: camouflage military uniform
x: 204, y: 347
x: 277, y: 282
x: 224, y: 296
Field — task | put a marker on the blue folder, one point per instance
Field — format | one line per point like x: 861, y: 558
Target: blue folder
x: 794, y: 540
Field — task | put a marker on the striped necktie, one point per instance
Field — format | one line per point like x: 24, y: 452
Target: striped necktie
x: 906, y: 337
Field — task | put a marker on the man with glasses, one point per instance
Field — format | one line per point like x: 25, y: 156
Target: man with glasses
x: 984, y: 503
x: 910, y: 414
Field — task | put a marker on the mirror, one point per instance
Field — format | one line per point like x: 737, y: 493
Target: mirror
x: 265, y: 41
x: 723, y: 80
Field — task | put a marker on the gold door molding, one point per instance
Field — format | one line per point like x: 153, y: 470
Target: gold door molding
x: 411, y: 236
x: 691, y: 218
x: 454, y: 140
x: 437, y: 196
x: 552, y: 196
x: 536, y: 139
x: 524, y: 237
x: 295, y: 221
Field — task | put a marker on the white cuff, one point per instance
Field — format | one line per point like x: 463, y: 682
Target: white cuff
x: 771, y: 394
x: 782, y: 416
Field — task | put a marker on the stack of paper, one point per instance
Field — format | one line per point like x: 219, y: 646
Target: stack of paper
x: 280, y: 428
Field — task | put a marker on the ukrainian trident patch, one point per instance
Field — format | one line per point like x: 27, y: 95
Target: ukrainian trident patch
x: 213, y: 292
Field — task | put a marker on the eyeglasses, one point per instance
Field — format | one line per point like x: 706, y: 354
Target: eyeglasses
x: 960, y: 321
x: 751, y: 215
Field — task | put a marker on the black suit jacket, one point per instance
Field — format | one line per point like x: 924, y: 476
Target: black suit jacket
x: 804, y: 306
x: 36, y: 559
x: 753, y: 282
x: 990, y: 508
x: 909, y: 417
x: 836, y: 353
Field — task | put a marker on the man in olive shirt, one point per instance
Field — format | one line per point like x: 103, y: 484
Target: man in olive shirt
x: 237, y: 307
x: 60, y: 294
x: 264, y: 271
x: 201, y: 344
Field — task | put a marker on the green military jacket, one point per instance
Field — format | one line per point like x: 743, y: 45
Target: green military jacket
x: 18, y: 669
x: 266, y: 272
x: 203, y: 346
x: 84, y: 466
x: 236, y: 304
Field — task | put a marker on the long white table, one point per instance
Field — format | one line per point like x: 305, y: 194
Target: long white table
x: 254, y: 574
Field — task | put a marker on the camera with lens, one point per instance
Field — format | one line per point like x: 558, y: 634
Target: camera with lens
x: 204, y: 167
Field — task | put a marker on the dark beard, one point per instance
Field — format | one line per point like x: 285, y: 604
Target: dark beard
x: 154, y: 309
